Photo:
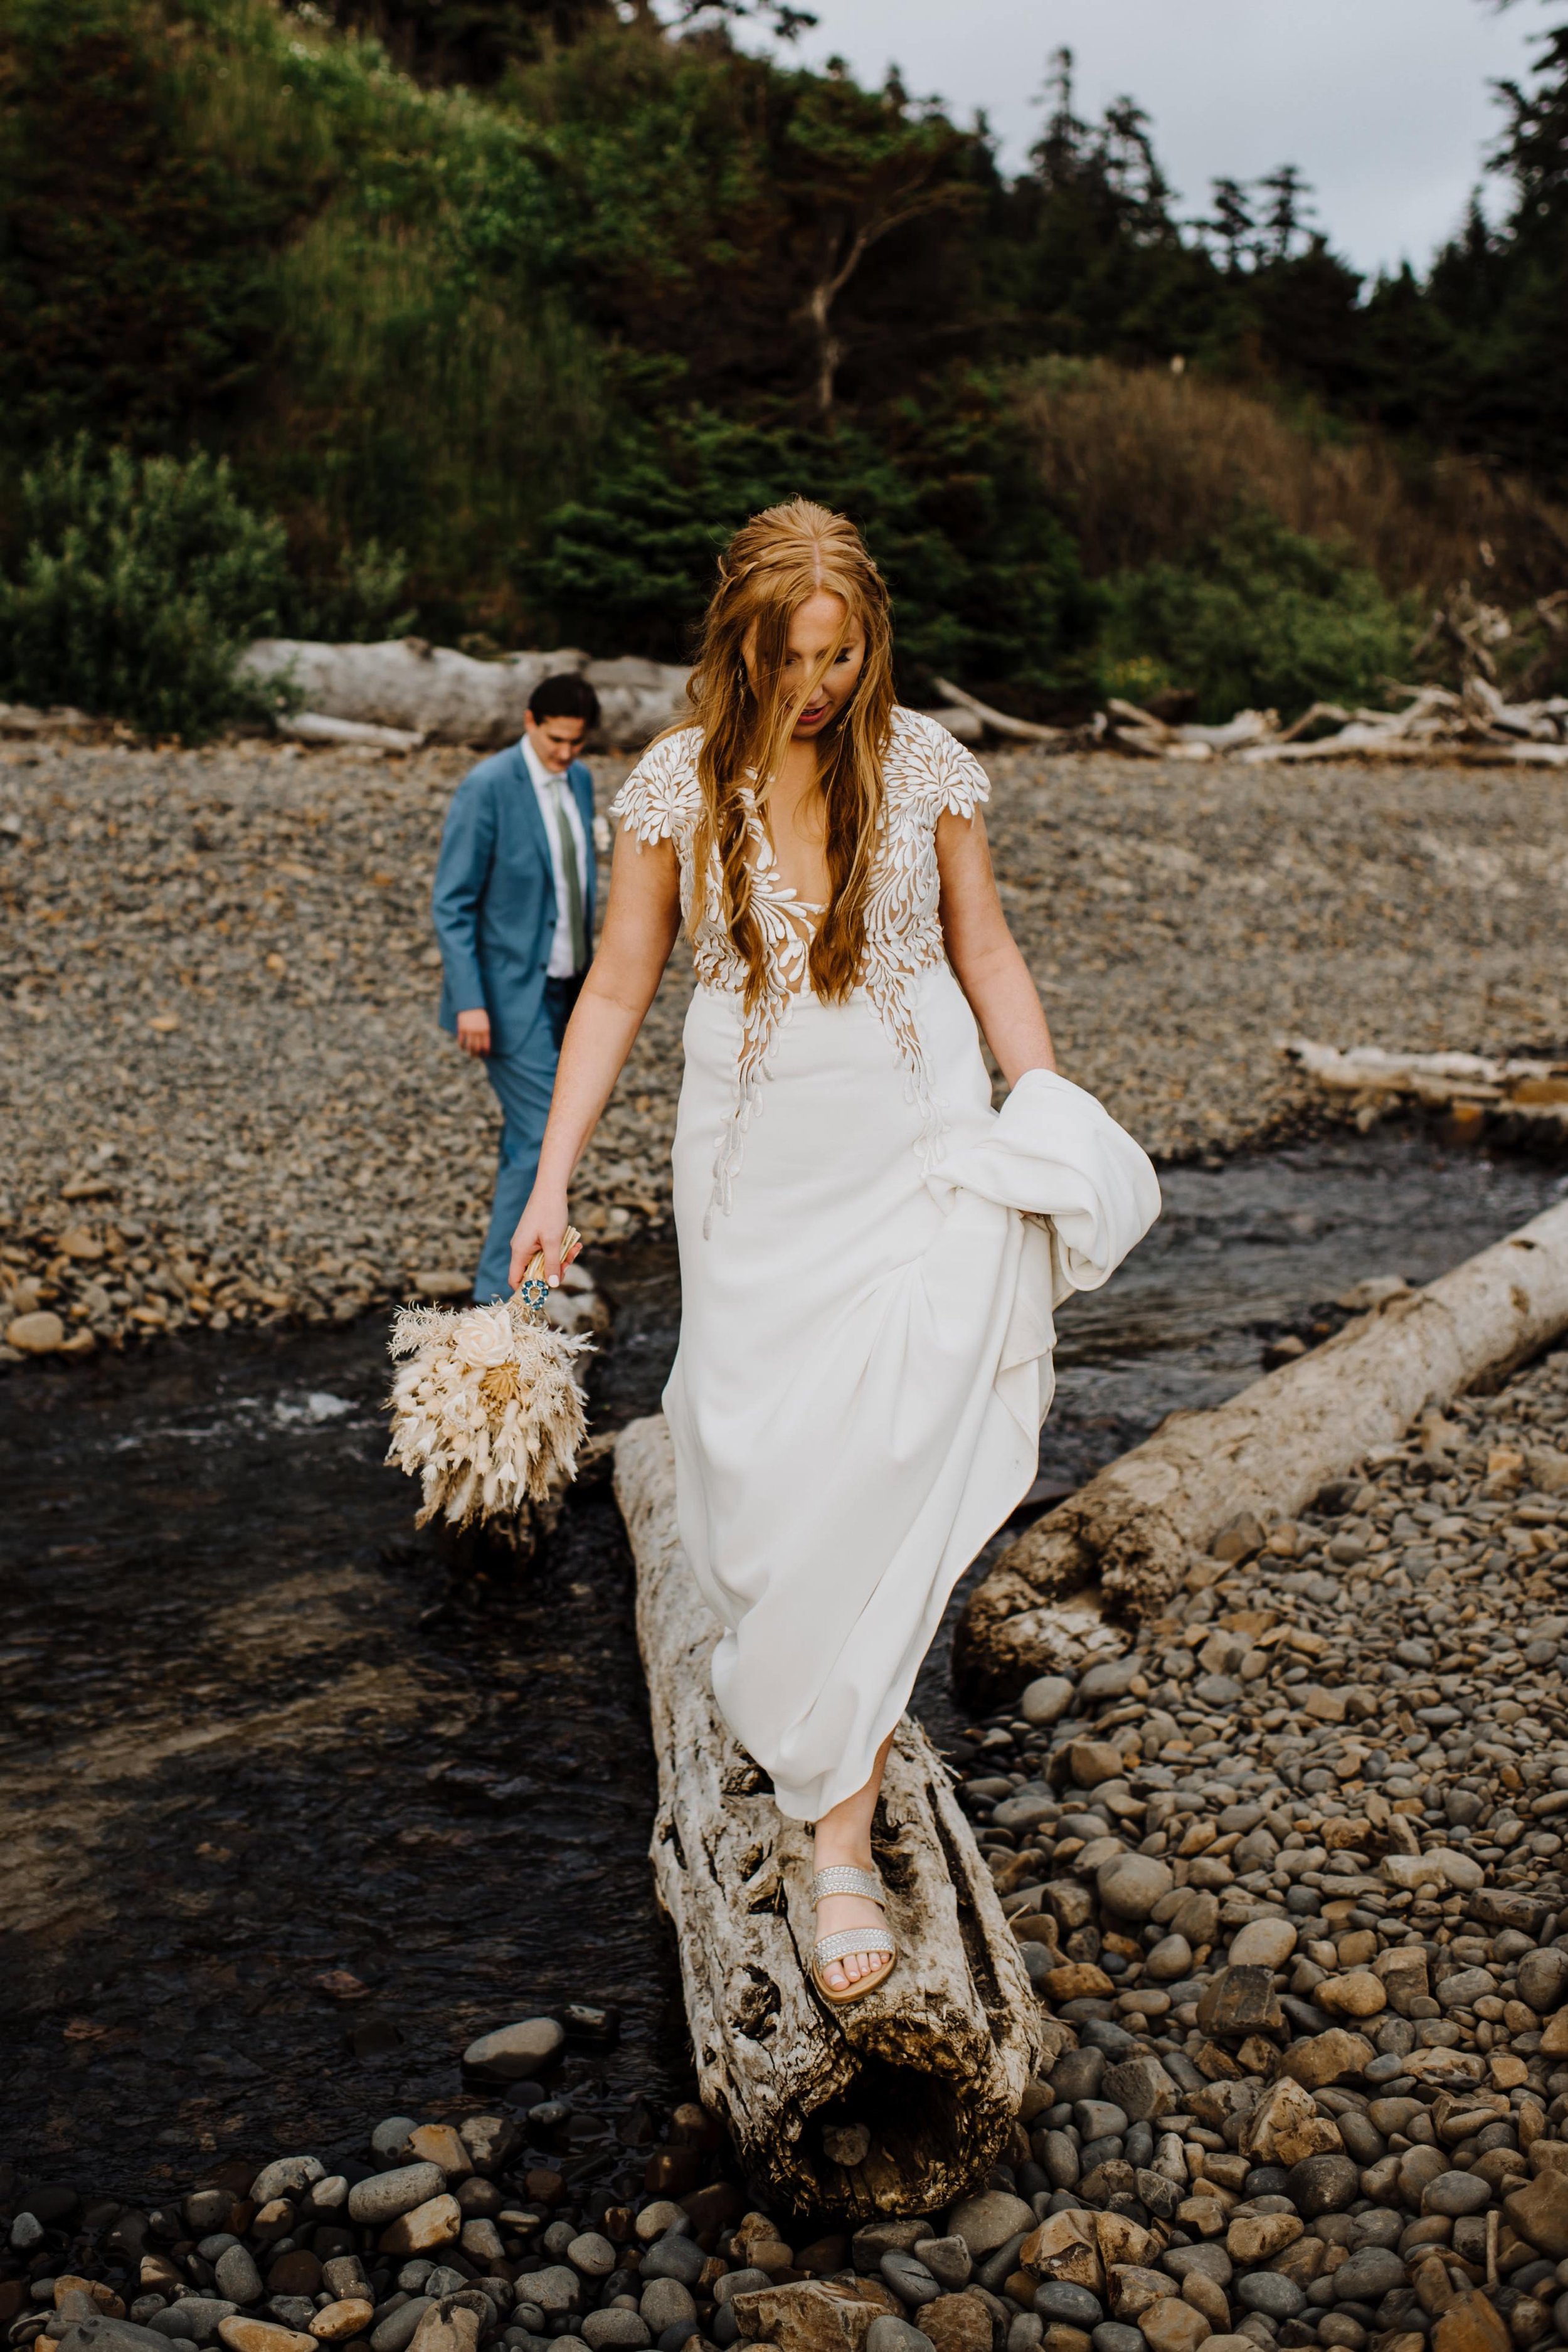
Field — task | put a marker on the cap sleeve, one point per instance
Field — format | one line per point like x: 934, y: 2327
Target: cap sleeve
x: 965, y: 783
x: 650, y: 801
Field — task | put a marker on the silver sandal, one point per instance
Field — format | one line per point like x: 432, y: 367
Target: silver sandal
x: 843, y: 1878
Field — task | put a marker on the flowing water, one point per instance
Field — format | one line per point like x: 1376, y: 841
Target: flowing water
x: 298, y: 1802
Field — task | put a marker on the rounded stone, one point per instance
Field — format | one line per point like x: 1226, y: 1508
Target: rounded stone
x: 39, y: 1334
x: 390, y: 2138
x: 665, y: 2303
x: 1455, y: 2193
x: 553, y: 2290
x: 591, y: 2254
x: 1270, y: 2293
x: 1059, y: 2299
x: 1368, y: 2275
x: 387, y: 2195
x: 988, y: 2221
x: 674, y: 2256
x: 1131, y: 1883
x: 235, y: 2277
x: 1115, y: 2335
x: 517, y: 2054
x: 1174, y: 2325
x: 949, y: 2259
x: 626, y: 2330
x: 1047, y: 1699
x: 909, y: 2280
x: 1261, y: 1944
x: 886, y: 2334
x: 1169, y: 1959
x: 1323, y: 2184
x: 286, y: 2176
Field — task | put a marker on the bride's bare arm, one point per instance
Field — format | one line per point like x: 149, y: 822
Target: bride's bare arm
x: 983, y: 952
x: 641, y: 922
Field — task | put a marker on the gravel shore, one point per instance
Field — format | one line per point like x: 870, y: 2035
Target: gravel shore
x: 227, y: 1100
x: 1289, y: 1878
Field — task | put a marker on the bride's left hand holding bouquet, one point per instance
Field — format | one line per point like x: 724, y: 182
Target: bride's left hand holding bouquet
x: 487, y: 1412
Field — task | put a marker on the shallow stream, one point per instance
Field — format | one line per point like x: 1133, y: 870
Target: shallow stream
x: 298, y: 1802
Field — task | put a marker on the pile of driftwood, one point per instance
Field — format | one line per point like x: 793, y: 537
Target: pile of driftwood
x: 1529, y: 1094
x: 1473, y: 726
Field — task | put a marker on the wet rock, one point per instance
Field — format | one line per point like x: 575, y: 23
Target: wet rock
x: 611, y: 2330
x: 450, y: 2324
x: 516, y: 2053
x: 665, y: 2303
x: 235, y: 2277
x: 1455, y: 2193
x: 397, y: 2331
x: 1369, y: 2276
x: 1323, y: 2059
x: 1323, y: 2184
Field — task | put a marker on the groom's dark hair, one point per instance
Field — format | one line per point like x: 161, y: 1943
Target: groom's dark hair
x: 565, y: 695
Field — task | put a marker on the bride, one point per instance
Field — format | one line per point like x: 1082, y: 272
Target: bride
x: 869, y: 1254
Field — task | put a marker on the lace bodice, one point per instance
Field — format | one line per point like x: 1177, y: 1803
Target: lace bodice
x: 926, y: 771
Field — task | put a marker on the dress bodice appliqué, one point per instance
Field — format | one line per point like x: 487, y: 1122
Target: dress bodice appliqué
x: 926, y: 773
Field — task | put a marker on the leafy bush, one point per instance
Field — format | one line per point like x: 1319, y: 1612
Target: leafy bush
x: 1258, y: 616
x: 985, y: 584
x: 356, y: 599
x: 141, y: 581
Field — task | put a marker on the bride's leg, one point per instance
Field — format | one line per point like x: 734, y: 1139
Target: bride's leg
x: 843, y: 1836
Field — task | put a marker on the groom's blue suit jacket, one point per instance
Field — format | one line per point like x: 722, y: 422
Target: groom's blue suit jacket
x: 494, y: 900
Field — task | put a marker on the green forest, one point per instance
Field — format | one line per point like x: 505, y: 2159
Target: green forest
x: 490, y: 319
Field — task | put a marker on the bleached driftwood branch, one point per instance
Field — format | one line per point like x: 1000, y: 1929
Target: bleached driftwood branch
x: 901, y: 2102
x: 1123, y: 1540
x: 1533, y: 1092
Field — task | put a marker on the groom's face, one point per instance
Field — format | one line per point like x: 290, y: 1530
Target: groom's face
x: 556, y: 740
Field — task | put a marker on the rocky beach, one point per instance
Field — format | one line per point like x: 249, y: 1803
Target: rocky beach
x: 226, y: 1101
x: 1288, y: 1875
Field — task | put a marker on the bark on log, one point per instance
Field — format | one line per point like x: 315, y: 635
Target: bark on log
x: 1125, y: 1540
x: 1531, y: 1094
x: 1018, y: 730
x: 449, y: 697
x: 904, y: 2101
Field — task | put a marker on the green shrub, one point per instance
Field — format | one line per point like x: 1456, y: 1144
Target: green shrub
x: 139, y: 584
x: 986, y: 583
x: 1258, y: 616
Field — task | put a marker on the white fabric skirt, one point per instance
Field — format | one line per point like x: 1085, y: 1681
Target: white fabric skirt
x: 864, y: 1354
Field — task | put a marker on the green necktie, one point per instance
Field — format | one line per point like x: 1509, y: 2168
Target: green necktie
x: 573, y: 879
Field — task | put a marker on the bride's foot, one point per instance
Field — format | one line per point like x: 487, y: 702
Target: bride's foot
x: 854, y: 1968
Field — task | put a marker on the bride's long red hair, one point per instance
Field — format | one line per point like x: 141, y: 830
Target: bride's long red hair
x: 773, y: 566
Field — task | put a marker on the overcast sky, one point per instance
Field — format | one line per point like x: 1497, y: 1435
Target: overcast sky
x: 1384, y: 104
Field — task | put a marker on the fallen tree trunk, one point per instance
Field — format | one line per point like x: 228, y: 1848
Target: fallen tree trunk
x: 449, y: 697
x: 904, y: 2101
x: 1123, y: 1542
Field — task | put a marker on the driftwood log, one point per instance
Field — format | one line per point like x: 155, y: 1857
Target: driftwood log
x: 449, y: 697
x: 1118, y: 1546
x: 1528, y: 1095
x: 893, y: 2107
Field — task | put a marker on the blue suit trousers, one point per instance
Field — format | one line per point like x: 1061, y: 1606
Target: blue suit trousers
x: 522, y: 1083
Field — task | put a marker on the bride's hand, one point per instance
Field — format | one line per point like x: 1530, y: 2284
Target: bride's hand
x: 540, y: 1228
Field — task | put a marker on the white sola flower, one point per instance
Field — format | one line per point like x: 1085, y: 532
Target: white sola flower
x: 483, y: 1338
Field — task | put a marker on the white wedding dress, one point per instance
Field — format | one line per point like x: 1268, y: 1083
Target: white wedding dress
x: 870, y: 1259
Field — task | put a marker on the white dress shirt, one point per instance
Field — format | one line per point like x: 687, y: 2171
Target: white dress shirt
x: 553, y: 792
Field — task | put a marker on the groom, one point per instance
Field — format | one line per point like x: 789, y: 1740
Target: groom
x: 514, y: 915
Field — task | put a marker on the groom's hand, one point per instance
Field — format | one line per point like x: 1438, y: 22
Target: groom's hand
x: 474, y: 1031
